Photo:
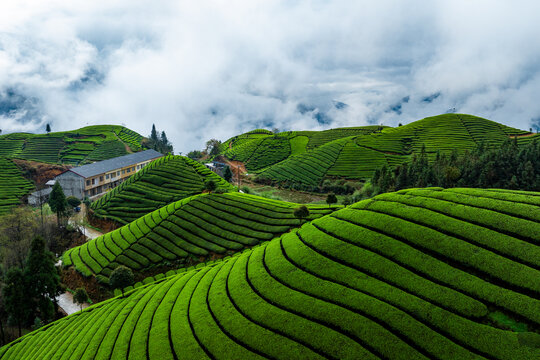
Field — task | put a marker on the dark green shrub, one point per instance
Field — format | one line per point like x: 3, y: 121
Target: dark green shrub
x: 73, y: 201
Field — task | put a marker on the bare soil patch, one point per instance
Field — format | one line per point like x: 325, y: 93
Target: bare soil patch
x: 38, y: 172
x: 522, y: 135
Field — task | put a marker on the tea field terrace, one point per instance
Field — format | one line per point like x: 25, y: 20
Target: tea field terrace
x: 194, y: 228
x: 418, y: 274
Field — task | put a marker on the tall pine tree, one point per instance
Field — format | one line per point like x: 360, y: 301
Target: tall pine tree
x: 58, y: 202
x: 15, y: 297
x: 153, y: 134
x: 42, y: 279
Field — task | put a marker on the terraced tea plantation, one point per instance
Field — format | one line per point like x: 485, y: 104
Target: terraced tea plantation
x: 91, y: 143
x: 13, y: 186
x: 418, y: 274
x: 197, y: 226
x: 308, y: 168
x: 261, y: 148
x: 164, y: 181
x: 357, y: 157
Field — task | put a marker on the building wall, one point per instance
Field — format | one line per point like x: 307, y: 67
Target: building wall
x: 80, y: 187
x: 72, y: 184
x: 99, y: 184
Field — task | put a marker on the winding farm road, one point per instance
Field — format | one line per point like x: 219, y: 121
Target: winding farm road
x: 65, y: 300
x: 91, y: 233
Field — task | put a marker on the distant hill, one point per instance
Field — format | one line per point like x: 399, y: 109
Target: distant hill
x: 88, y: 144
x: 198, y: 226
x: 261, y: 148
x: 166, y: 180
x: 417, y: 274
x: 77, y: 147
x: 358, y: 156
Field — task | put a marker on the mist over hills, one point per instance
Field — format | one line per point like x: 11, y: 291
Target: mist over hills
x: 388, y: 62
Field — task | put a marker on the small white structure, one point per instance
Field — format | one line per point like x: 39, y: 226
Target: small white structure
x: 39, y: 197
x: 216, y: 167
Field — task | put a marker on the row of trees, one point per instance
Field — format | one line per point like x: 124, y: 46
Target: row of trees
x: 159, y: 142
x: 507, y: 167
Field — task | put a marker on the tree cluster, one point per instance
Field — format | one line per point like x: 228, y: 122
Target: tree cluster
x: 506, y: 167
x: 159, y: 142
x: 336, y: 186
x: 212, y: 147
x: 195, y: 154
x: 28, y: 293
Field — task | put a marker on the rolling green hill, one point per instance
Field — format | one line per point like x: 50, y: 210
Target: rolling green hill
x: 198, y: 226
x: 13, y: 186
x: 261, y: 148
x: 357, y: 157
x: 91, y: 143
x: 417, y: 274
x: 164, y: 181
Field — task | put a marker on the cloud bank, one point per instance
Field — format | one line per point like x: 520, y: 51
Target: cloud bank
x: 206, y: 69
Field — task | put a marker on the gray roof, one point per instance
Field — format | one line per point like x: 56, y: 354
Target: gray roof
x: 104, y: 166
x: 42, y: 192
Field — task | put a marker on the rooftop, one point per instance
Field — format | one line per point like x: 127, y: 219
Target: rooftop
x: 42, y: 192
x: 104, y: 166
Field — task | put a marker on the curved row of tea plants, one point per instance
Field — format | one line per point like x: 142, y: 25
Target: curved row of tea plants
x: 198, y: 226
x: 130, y: 137
x: 369, y: 281
x: 13, y: 186
x: 308, y: 168
x: 107, y: 150
x: 165, y: 180
x: 71, y: 147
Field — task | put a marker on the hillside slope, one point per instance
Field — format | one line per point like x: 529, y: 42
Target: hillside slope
x: 13, y: 186
x: 359, y: 156
x: 166, y: 180
x: 198, y: 226
x: 261, y: 148
x: 91, y: 143
x: 418, y: 274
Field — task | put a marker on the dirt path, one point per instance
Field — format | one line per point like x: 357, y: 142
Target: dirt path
x: 126, y: 146
x: 234, y: 165
x: 522, y: 135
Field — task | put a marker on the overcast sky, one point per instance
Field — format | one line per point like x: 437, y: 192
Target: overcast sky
x: 212, y: 69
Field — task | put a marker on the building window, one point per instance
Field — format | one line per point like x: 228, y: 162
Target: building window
x: 133, y: 168
x: 87, y: 182
x: 101, y: 178
x: 118, y: 173
x: 123, y: 172
x: 93, y: 181
x: 129, y: 170
x: 107, y: 176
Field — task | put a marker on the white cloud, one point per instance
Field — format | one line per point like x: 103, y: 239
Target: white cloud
x: 215, y: 68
